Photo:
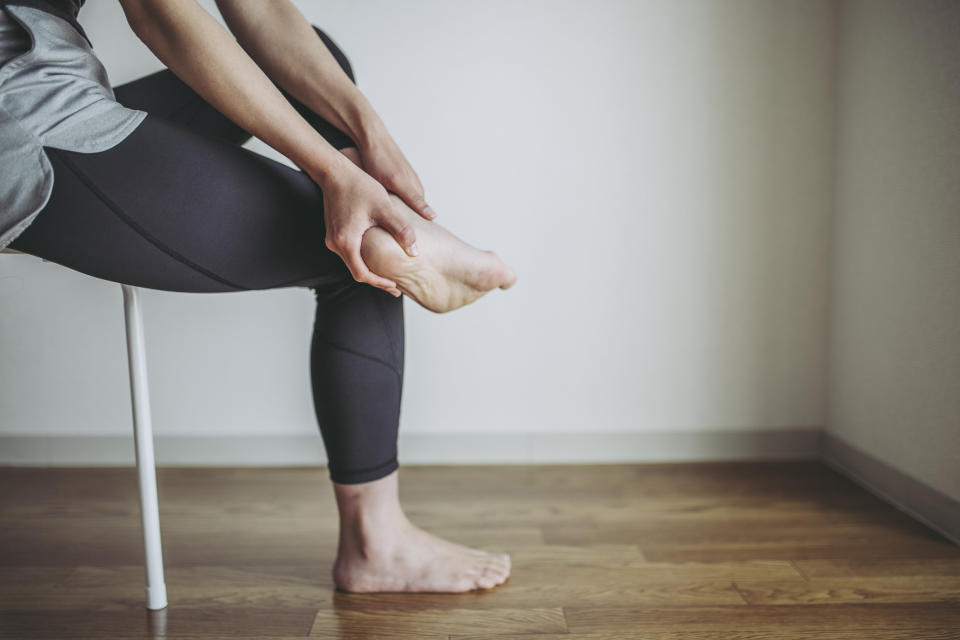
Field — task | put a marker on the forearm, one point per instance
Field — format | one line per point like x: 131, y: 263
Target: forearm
x: 281, y: 40
x: 203, y: 54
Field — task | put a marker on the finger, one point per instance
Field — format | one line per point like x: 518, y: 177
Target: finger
x: 420, y: 205
x: 403, y: 231
x: 407, y: 186
x: 413, y: 196
x: 363, y: 274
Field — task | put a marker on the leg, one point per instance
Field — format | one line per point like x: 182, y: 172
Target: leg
x: 170, y: 209
x: 446, y: 276
x: 338, y: 346
x: 178, y: 209
x: 381, y: 550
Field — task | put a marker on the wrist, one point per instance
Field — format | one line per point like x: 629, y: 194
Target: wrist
x: 327, y: 168
x: 365, y: 125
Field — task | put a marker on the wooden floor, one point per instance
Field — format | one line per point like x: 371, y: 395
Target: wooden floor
x: 696, y: 551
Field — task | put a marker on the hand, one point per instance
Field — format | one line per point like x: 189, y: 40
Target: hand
x: 352, y: 203
x: 383, y: 160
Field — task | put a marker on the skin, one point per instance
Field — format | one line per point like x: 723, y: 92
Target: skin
x: 204, y: 55
x: 447, y: 274
x: 375, y: 213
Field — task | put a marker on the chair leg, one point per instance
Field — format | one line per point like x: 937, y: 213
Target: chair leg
x: 143, y: 441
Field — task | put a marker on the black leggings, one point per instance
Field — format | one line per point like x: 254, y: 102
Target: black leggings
x: 179, y: 205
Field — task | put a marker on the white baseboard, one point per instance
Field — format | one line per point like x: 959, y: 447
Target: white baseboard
x: 26, y: 450
x: 917, y: 499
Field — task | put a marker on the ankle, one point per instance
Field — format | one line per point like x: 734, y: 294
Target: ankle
x: 371, y: 520
x: 372, y: 535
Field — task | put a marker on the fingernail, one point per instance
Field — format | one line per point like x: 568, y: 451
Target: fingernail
x: 430, y: 212
x: 413, y: 250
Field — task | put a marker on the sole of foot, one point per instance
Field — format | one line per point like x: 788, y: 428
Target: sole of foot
x: 447, y: 274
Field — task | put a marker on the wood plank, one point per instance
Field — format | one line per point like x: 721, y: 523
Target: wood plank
x: 29, y: 580
x: 207, y: 541
x: 745, y: 634
x: 862, y: 551
x: 574, y: 590
x: 652, y: 533
x: 113, y: 588
x: 617, y: 557
x: 712, y: 550
x: 374, y: 620
x: 661, y: 513
x: 775, y: 479
x: 137, y: 622
x: 780, y: 619
x: 944, y: 589
x: 868, y: 567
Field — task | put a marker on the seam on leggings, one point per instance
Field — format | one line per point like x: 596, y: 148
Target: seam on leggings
x: 360, y: 354
x: 140, y: 230
x: 386, y: 327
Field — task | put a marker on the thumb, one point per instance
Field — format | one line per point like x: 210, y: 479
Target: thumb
x: 402, y: 231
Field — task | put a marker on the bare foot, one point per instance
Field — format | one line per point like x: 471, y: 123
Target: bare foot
x: 447, y: 274
x: 380, y: 550
x: 418, y: 561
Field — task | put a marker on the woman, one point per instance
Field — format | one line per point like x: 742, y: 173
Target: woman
x: 146, y: 184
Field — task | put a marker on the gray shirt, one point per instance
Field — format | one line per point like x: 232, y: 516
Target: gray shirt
x: 54, y: 93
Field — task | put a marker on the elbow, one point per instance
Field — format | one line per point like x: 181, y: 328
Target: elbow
x: 136, y: 14
x: 145, y: 17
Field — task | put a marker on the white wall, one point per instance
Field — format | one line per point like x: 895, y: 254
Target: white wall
x: 658, y: 172
x: 895, y: 375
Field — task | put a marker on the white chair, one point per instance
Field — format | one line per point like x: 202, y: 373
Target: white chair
x: 143, y: 444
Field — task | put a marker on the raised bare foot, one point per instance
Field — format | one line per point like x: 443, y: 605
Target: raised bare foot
x: 447, y: 274
x: 381, y: 550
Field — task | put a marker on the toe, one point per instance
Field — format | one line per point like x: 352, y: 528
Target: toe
x: 509, y: 279
x: 501, y: 560
x: 499, y: 572
x: 486, y: 582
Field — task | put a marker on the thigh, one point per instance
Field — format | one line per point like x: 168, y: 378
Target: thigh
x: 169, y: 208
x: 164, y: 94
